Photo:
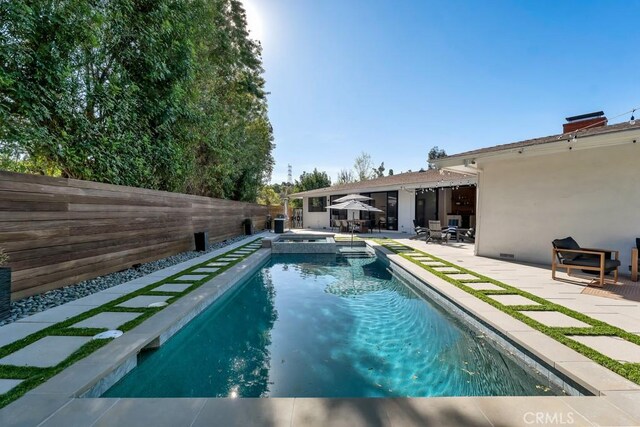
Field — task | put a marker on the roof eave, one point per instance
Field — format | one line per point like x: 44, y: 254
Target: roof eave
x: 468, y: 162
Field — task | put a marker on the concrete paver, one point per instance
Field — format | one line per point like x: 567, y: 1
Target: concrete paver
x: 6, y: 385
x: 483, y: 286
x: 109, y: 320
x: 614, y: 347
x: 56, y: 314
x: 513, y: 300
x: 17, y: 330
x: 218, y: 264
x: 47, y: 351
x: 191, y: 277
x: 142, y: 301
x: 465, y: 276
x: 97, y: 299
x: 555, y: 319
x: 173, y: 287
x: 207, y: 270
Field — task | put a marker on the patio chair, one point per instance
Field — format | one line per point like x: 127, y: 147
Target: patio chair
x: 569, y: 255
x: 468, y: 236
x: 420, y: 231
x: 437, y: 233
x: 344, y: 225
x: 635, y: 264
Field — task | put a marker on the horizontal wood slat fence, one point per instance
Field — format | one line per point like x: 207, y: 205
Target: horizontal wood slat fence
x: 60, y: 231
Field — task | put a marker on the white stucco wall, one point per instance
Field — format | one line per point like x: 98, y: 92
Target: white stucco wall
x: 592, y: 195
x: 313, y: 219
x: 406, y: 211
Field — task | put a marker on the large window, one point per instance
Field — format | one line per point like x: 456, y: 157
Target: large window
x: 337, y: 214
x: 387, y: 202
x: 317, y: 204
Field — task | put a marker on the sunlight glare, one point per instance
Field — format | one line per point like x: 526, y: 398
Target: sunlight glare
x: 254, y: 20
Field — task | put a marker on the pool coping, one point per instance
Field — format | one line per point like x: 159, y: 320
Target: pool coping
x: 66, y: 399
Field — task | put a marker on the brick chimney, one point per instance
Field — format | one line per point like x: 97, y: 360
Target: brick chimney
x: 591, y: 120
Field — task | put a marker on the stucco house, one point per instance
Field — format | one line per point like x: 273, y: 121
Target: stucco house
x: 584, y: 183
x: 424, y: 195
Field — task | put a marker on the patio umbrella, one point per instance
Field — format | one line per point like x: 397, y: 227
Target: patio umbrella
x: 350, y: 197
x: 354, y: 205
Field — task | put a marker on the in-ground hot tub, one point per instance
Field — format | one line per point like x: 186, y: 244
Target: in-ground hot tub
x: 304, y: 243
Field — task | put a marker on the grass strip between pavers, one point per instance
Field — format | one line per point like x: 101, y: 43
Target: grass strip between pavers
x: 34, y: 376
x: 631, y: 371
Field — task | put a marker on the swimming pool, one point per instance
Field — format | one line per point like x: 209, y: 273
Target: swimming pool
x: 326, y: 326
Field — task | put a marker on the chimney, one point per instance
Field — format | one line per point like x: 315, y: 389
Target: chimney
x: 591, y: 120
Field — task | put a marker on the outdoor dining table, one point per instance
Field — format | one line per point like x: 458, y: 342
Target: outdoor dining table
x: 361, y: 223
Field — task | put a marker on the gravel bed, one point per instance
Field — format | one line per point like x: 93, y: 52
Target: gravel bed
x: 36, y: 303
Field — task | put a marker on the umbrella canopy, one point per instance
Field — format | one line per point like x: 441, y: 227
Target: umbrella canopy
x: 355, y: 206
x: 348, y: 197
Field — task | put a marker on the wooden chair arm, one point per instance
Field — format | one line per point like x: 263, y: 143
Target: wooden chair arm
x: 580, y: 251
x: 599, y: 250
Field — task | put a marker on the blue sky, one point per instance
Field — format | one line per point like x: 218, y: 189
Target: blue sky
x: 394, y: 78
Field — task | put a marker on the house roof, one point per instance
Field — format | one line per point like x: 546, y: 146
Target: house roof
x: 619, y: 127
x: 413, y: 179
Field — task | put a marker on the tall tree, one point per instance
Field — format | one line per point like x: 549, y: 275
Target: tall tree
x: 363, y: 166
x: 165, y: 94
x: 312, y: 181
x: 345, y: 176
x: 379, y: 171
x: 435, y: 153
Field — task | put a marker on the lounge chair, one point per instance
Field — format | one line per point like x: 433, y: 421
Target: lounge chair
x: 437, y: 233
x: 569, y: 255
x: 420, y: 231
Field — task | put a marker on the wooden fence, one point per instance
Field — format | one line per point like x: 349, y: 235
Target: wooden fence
x: 60, y: 231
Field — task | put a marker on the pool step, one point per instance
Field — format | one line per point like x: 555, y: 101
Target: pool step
x: 355, y: 252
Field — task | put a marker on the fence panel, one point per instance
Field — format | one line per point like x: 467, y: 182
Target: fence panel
x: 59, y: 231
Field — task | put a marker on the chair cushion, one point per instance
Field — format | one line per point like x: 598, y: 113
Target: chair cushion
x: 567, y: 243
x: 609, y: 264
x: 638, y: 242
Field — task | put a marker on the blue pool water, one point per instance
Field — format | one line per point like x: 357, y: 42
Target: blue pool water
x: 325, y: 326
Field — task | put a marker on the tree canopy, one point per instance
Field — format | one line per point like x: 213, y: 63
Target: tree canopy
x: 435, y: 153
x: 363, y: 166
x: 165, y: 94
x: 312, y: 181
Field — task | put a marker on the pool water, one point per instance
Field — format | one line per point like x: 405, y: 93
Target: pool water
x: 326, y: 326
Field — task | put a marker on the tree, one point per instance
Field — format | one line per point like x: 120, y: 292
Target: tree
x: 363, y: 166
x: 390, y: 172
x: 165, y: 94
x: 435, y: 153
x: 268, y: 196
x: 379, y: 171
x: 345, y: 176
x: 312, y: 181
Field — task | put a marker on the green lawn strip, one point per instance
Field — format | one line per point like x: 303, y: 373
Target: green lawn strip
x: 63, y: 328
x: 496, y: 291
x: 33, y: 377
x: 630, y: 371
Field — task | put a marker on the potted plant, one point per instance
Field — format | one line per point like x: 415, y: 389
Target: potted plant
x: 248, y: 226
x: 5, y: 286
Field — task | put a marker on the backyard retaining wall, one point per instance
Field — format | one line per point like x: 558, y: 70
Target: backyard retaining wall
x: 60, y: 231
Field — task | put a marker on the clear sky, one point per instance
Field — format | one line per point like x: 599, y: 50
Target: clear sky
x: 394, y: 78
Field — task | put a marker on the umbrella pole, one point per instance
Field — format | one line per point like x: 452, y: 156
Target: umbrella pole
x: 353, y: 217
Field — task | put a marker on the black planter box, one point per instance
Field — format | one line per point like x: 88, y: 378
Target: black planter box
x: 5, y: 292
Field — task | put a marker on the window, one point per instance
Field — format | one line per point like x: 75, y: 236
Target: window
x: 317, y: 204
